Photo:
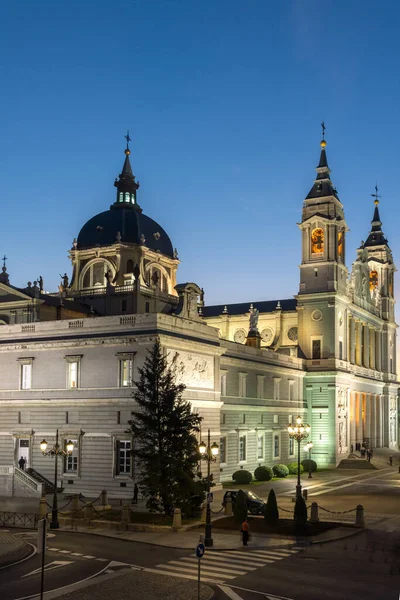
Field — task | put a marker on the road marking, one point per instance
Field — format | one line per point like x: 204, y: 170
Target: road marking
x: 230, y: 593
x: 183, y: 575
x: 54, y: 549
x: 88, y: 556
x: 264, y: 594
x: 207, y: 567
x: 64, y: 551
x: 74, y: 553
x: 56, y: 564
x: 219, y: 565
x: 102, y: 559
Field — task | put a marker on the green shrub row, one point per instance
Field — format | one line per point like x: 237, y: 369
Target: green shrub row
x: 263, y: 473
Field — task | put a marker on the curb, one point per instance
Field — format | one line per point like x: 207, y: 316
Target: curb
x: 17, y: 556
x: 341, y: 537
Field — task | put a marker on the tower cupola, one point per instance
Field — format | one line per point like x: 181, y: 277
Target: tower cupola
x: 376, y: 236
x: 125, y: 183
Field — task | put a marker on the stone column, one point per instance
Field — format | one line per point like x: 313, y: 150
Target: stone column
x: 378, y: 351
x: 378, y: 420
x: 366, y: 346
x: 368, y: 416
x: 359, y: 418
x: 351, y: 349
x: 353, y: 419
x: 373, y: 421
x: 358, y: 343
x: 372, y: 348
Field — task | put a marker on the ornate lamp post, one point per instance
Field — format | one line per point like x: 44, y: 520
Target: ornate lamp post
x: 299, y: 431
x: 308, y: 447
x: 209, y: 453
x: 55, y: 452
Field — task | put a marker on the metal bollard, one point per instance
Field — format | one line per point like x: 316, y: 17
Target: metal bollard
x: 360, y: 522
x: 228, y: 507
x: 177, y: 520
x: 42, y: 507
x: 314, y: 513
x: 305, y: 494
x: 104, y: 498
x: 88, y: 512
x: 75, y: 503
x: 126, y: 513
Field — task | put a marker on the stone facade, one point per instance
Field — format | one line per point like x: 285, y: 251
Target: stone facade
x: 69, y: 360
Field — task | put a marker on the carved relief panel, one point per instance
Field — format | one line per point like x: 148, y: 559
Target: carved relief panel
x: 342, y: 418
x: 192, y: 369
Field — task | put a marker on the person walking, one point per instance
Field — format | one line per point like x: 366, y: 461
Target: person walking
x: 245, y: 532
x: 135, y: 494
x: 21, y: 463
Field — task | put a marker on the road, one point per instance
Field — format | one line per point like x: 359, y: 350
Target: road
x: 363, y: 567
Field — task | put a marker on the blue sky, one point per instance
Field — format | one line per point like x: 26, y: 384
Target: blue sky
x: 223, y: 100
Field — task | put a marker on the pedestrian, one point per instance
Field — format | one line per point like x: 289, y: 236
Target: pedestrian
x: 22, y: 463
x: 390, y: 460
x: 245, y: 532
x: 370, y: 454
x: 351, y: 448
x: 135, y: 494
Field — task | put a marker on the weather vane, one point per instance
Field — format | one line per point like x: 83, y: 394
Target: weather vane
x: 376, y: 196
x: 323, y: 129
x: 128, y: 139
x: 4, y: 261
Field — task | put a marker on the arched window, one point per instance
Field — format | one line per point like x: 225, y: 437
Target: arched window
x: 373, y: 280
x: 317, y: 241
x: 340, y: 244
x: 127, y: 197
x: 129, y: 266
x: 95, y: 276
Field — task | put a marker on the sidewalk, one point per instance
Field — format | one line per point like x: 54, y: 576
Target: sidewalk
x: 188, y: 540
x: 12, y: 548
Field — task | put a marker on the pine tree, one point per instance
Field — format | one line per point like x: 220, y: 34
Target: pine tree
x: 271, y: 514
x: 164, y: 440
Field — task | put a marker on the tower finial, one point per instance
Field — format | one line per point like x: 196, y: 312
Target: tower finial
x: 376, y: 196
x: 323, y: 142
x: 128, y: 139
x: 4, y: 261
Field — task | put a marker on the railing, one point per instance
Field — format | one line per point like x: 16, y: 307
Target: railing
x: 13, y: 519
x: 75, y: 324
x: 28, y: 480
x: 128, y: 320
x: 27, y: 328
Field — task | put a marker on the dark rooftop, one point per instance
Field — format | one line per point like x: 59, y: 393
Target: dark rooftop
x: 264, y: 306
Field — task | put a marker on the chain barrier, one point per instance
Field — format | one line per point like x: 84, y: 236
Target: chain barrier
x: 65, y: 505
x: 216, y: 512
x: 333, y: 512
x: 285, y: 510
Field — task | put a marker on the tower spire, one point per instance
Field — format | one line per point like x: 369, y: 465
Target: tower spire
x: 126, y: 185
x: 323, y: 185
x: 376, y: 236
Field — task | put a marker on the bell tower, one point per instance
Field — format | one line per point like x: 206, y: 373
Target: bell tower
x: 323, y: 228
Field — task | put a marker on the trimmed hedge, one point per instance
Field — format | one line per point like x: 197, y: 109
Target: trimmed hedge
x: 306, y: 464
x: 271, y: 513
x: 263, y: 473
x: 300, y: 511
x: 293, y: 467
x: 242, y: 477
x: 280, y: 470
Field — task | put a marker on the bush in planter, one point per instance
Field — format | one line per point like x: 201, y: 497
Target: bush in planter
x: 242, y: 477
x: 271, y: 514
x: 263, y: 473
x: 300, y: 511
x: 240, y: 507
x: 293, y: 467
x: 280, y: 470
x: 307, y: 462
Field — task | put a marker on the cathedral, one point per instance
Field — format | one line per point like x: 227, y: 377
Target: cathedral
x: 69, y: 359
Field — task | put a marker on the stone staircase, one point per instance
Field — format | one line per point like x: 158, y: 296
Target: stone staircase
x: 48, y: 487
x: 355, y: 462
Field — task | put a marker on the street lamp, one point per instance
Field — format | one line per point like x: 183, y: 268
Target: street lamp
x: 209, y: 453
x: 299, y: 431
x: 55, y: 452
x: 308, y: 447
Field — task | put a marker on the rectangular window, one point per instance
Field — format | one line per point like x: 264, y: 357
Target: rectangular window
x: 222, y: 450
x: 71, y: 461
x: 243, y: 418
x: 125, y: 372
x: 260, y: 447
x: 291, y: 390
x: 260, y: 386
x: 123, y: 457
x: 290, y: 420
x: 291, y: 446
x: 73, y: 374
x: 242, y: 448
x: 316, y: 349
x: 340, y: 350
x: 26, y: 376
x: 276, y: 446
x: 223, y: 419
x: 276, y: 418
x: 242, y: 385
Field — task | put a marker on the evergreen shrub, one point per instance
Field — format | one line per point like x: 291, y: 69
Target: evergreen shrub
x: 293, y: 467
x: 300, y: 511
x: 271, y: 513
x: 242, y: 477
x: 263, y: 473
x: 280, y: 470
x: 306, y: 464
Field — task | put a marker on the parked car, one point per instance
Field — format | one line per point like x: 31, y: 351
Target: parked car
x: 255, y: 504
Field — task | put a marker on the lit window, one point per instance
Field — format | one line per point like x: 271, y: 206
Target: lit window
x: 291, y: 446
x: 71, y: 460
x: 317, y: 241
x: 123, y: 462
x: 373, y: 280
x: 73, y: 374
x: 260, y: 447
x: 26, y: 376
x: 242, y: 448
x: 127, y: 197
x: 125, y: 372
